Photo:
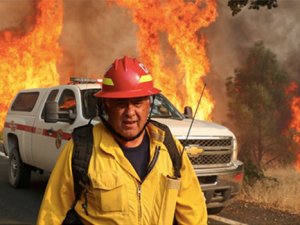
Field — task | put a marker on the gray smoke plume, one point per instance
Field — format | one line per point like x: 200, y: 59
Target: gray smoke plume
x: 94, y: 34
x: 17, y: 16
x: 230, y: 37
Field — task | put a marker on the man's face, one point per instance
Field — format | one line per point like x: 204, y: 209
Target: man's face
x: 127, y: 116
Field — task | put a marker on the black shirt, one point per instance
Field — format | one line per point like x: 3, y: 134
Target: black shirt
x: 139, y: 156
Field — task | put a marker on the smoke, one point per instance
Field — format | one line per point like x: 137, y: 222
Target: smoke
x: 17, y: 16
x: 94, y: 34
x: 230, y: 37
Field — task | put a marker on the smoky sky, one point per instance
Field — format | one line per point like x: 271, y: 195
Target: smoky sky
x: 95, y: 33
x: 16, y: 15
x: 278, y: 28
x: 230, y: 37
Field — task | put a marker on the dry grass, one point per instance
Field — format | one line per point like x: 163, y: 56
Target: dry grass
x: 280, y: 190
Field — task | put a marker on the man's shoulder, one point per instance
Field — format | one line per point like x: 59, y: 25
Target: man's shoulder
x: 155, y: 132
x: 99, y: 128
x: 160, y: 130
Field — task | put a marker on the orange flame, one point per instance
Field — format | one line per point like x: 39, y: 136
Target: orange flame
x: 295, y: 122
x: 29, y: 61
x: 168, y: 28
x: 297, y: 165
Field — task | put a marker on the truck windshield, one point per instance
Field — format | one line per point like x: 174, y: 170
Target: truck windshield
x: 162, y: 107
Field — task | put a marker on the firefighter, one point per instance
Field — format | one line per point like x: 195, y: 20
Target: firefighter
x: 131, y: 173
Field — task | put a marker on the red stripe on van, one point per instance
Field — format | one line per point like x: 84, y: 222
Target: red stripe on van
x: 45, y: 132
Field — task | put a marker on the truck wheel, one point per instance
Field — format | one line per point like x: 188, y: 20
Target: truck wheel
x: 18, y: 172
x: 213, y: 211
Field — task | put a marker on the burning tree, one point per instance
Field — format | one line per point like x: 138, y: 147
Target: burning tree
x: 237, y: 5
x: 295, y: 121
x: 259, y: 108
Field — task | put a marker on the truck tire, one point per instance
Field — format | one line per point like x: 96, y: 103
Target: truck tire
x: 18, y: 172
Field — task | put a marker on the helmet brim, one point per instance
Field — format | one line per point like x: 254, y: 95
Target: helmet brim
x: 127, y: 94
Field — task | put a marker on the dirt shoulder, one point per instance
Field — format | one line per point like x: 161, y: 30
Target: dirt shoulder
x: 256, y: 214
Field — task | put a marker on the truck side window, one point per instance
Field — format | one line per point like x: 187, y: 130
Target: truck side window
x: 67, y: 102
x: 25, y: 101
x: 51, y: 97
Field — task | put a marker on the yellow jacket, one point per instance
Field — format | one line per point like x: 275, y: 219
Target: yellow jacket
x: 117, y: 195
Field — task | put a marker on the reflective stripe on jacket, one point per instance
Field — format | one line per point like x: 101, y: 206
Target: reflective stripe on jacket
x: 116, y: 194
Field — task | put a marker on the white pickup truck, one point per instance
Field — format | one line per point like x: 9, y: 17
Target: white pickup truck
x: 33, y: 143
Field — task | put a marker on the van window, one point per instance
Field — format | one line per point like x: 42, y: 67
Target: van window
x: 25, y: 101
x: 67, y: 102
x: 51, y: 97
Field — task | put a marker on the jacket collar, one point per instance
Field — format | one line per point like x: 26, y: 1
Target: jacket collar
x: 109, y: 145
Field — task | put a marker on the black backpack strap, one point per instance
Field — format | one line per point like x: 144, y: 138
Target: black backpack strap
x: 82, y: 151
x: 83, y: 147
x: 171, y: 146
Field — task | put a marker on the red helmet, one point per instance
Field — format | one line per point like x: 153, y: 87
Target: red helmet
x: 127, y: 78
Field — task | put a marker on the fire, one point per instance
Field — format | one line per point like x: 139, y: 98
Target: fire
x: 29, y: 61
x: 297, y: 165
x: 170, y: 45
x: 295, y: 122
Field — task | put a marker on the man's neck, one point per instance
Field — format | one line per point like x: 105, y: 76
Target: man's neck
x: 133, y: 143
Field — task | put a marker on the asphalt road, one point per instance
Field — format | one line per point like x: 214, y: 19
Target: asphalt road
x: 20, y: 206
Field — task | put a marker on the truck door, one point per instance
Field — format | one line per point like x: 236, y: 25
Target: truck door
x: 49, y: 138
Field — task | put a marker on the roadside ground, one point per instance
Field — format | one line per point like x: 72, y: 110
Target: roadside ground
x: 257, y: 214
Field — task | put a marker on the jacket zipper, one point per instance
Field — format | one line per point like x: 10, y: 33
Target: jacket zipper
x: 139, y: 186
x: 139, y: 193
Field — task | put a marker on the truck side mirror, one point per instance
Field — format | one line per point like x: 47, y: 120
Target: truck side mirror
x: 188, y: 112
x: 51, y: 112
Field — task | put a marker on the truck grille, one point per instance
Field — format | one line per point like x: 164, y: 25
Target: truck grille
x: 216, y: 151
x: 208, y: 142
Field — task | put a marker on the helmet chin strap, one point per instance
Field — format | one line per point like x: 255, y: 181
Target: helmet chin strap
x: 117, y: 134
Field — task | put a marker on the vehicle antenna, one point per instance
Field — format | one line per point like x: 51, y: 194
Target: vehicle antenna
x: 188, y: 133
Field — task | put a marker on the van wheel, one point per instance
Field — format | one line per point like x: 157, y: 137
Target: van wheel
x: 18, y: 172
x: 213, y: 211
